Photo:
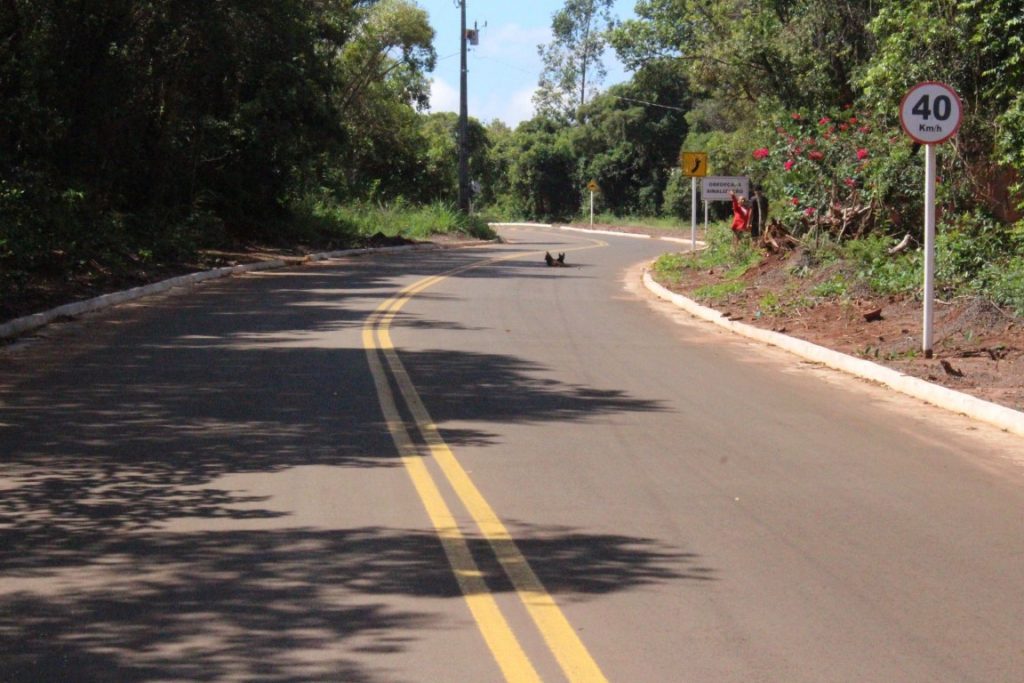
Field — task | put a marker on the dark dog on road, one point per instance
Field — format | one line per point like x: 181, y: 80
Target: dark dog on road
x: 554, y: 262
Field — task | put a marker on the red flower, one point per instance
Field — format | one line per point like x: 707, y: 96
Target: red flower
x: 865, y: 129
x: 853, y: 120
x: 850, y: 182
x: 795, y: 116
x: 809, y: 211
x: 789, y: 165
x: 815, y: 155
x: 796, y: 201
x: 824, y: 120
x: 843, y: 126
x: 761, y: 153
x: 862, y: 154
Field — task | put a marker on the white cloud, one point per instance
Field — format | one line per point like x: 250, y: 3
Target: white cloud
x: 512, y: 108
x: 513, y: 40
x: 443, y: 97
x: 520, y: 107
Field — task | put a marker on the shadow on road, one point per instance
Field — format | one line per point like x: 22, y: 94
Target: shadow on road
x: 123, y: 428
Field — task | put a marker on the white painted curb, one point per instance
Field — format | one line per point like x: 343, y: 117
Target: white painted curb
x: 641, y: 236
x: 1000, y: 416
x: 30, y: 322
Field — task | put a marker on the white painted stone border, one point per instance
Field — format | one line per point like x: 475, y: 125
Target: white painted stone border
x: 1005, y: 418
x: 27, y: 323
x: 1000, y: 416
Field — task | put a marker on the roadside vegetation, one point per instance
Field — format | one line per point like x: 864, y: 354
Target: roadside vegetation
x: 139, y: 134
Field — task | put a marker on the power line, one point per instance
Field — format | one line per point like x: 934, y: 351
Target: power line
x: 649, y: 104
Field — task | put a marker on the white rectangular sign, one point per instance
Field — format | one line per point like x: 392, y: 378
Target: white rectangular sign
x: 717, y: 187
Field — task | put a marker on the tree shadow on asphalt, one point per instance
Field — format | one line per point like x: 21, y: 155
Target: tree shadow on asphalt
x: 275, y: 606
x: 127, y: 429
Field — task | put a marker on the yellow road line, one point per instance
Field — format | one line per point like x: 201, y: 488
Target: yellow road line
x: 570, y: 652
x: 498, y: 635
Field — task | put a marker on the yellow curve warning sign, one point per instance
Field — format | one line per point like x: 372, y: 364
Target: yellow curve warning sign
x: 694, y: 164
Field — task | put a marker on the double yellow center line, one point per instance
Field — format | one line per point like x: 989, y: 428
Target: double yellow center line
x: 572, y: 656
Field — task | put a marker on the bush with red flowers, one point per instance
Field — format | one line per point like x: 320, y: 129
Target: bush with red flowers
x: 839, y: 171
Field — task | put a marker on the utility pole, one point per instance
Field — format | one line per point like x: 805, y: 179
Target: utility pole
x: 463, y: 124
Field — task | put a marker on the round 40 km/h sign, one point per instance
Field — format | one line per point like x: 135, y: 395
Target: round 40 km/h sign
x: 930, y: 112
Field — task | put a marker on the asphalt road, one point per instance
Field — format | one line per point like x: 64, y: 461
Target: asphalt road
x: 465, y: 465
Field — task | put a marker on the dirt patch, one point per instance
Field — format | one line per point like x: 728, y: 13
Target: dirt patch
x: 977, y: 347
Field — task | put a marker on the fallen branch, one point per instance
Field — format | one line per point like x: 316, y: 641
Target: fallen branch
x: 904, y: 243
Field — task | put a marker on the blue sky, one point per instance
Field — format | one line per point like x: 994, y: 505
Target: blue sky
x: 504, y: 68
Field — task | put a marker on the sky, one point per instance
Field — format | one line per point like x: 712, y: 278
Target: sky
x: 503, y: 70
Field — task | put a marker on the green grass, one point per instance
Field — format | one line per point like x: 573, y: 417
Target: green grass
x: 669, y: 267
x: 719, y: 291
x: 833, y: 288
x: 655, y: 222
x: 721, y: 253
x: 399, y: 219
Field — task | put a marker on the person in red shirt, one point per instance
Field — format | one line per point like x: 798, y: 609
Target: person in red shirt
x: 740, y: 216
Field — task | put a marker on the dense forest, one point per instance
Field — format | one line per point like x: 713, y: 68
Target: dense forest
x: 140, y: 131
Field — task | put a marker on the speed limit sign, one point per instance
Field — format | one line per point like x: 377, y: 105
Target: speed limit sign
x: 930, y: 112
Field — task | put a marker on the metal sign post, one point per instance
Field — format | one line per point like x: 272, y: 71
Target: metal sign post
x: 693, y: 214
x: 694, y: 165
x: 593, y: 187
x: 930, y: 115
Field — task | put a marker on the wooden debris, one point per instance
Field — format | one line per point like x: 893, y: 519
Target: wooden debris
x: 873, y: 315
x: 950, y: 370
x: 904, y: 243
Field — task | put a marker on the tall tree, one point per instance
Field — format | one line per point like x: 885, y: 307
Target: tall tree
x: 788, y: 53
x: 573, y: 64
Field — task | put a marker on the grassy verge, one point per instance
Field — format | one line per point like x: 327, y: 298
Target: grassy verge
x: 358, y: 222
x: 722, y: 254
x: 40, y: 274
x: 656, y: 223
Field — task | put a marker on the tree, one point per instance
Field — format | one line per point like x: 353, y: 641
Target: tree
x: 572, y: 61
x: 541, y: 171
x: 776, y: 53
x: 133, y: 127
x: 631, y: 139
x: 925, y: 40
x: 437, y: 170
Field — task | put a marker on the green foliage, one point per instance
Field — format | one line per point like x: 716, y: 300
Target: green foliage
x: 721, y: 253
x: 433, y: 173
x: 976, y: 48
x: 832, y: 288
x: 651, y: 222
x: 883, y: 272
x: 325, y: 222
x: 719, y: 291
x: 841, y: 172
x: 1006, y: 284
x: 539, y: 166
x: 977, y: 255
x: 797, y: 53
x: 151, y: 126
x: 668, y: 268
x: 627, y: 141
